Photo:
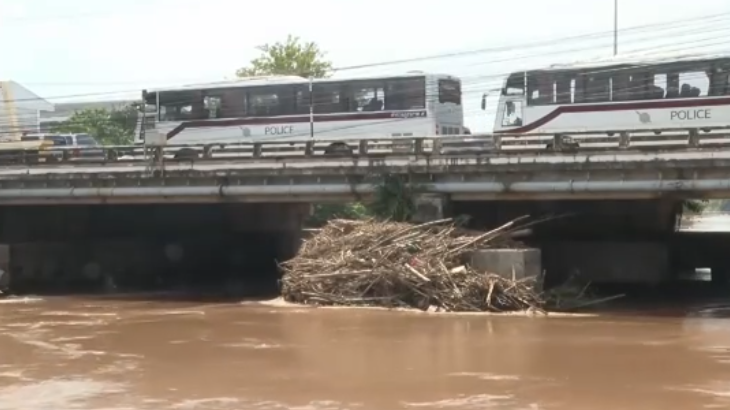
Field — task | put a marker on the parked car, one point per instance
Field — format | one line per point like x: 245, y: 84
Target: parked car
x: 70, y: 146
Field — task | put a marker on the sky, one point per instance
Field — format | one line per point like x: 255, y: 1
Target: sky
x: 106, y: 50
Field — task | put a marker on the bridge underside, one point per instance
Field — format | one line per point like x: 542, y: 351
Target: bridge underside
x: 134, y: 247
x: 581, y: 220
x: 88, y: 247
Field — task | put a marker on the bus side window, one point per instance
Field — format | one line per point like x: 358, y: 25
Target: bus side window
x: 212, y: 107
x: 695, y: 83
x: 639, y: 85
x: 562, y: 89
x: 233, y: 103
x: 176, y: 106
x: 620, y: 86
x: 719, y: 80
x: 597, y: 88
x: 579, y: 92
x: 369, y: 97
x: 263, y: 102
x: 659, y: 87
x: 328, y: 99
x: 539, y: 89
x: 303, y: 100
x: 672, y: 85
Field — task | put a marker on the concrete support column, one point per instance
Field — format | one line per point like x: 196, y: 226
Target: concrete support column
x: 510, y: 263
x: 4, y: 268
x: 430, y: 207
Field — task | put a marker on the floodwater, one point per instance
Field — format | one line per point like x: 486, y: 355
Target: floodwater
x: 113, y: 353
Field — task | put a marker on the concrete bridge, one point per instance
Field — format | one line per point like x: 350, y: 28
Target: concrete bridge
x: 93, y: 217
x: 623, y: 175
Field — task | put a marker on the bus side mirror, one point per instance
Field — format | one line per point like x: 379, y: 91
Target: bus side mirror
x: 484, y: 102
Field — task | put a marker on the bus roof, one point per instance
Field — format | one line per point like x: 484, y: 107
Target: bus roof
x: 288, y: 79
x: 636, y: 60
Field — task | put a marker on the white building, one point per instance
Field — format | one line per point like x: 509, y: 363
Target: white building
x: 20, y: 110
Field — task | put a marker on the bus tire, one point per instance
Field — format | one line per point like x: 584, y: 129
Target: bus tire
x: 188, y: 154
x: 338, y: 148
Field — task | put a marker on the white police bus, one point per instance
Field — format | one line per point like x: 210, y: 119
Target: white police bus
x: 281, y: 108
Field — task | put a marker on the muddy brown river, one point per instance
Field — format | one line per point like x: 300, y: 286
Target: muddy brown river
x: 106, y: 353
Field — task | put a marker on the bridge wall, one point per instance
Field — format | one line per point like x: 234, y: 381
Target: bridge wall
x: 86, y: 246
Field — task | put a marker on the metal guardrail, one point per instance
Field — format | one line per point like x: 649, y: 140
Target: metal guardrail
x: 477, y: 144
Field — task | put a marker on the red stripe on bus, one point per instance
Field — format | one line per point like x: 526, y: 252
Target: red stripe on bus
x: 359, y: 116
x: 605, y: 107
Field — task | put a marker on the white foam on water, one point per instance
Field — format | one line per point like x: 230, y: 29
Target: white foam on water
x: 66, y: 394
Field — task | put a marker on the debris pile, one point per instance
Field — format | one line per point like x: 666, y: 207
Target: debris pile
x: 371, y: 263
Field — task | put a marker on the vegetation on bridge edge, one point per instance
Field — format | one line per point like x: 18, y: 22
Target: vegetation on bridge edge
x: 393, y: 201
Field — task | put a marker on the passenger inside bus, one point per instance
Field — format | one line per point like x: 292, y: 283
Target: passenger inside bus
x: 373, y: 105
x: 511, y: 116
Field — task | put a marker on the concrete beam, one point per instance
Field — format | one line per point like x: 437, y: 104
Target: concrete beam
x: 401, y: 164
x: 509, y: 263
x: 290, y: 193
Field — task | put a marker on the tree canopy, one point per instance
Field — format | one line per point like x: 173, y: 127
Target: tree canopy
x: 291, y: 57
x: 109, y: 127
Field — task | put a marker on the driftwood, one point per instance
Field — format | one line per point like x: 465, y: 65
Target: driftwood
x: 370, y: 263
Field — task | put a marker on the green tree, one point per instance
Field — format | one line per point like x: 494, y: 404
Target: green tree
x: 291, y: 57
x: 695, y: 206
x: 109, y: 127
x: 325, y: 212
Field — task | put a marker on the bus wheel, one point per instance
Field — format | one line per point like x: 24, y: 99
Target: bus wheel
x: 186, y: 154
x: 338, y: 148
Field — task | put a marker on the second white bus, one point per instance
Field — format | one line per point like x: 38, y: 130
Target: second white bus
x: 618, y: 94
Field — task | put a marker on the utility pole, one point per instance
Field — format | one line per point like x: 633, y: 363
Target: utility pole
x: 615, y: 27
x: 311, y: 107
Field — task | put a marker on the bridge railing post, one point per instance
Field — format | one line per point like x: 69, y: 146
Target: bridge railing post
x: 207, y: 151
x: 624, y: 140
x: 418, y: 146
x: 363, y: 146
x: 694, y: 138
x: 309, y: 148
x: 436, y: 147
x: 497, y: 139
x: 257, y: 150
